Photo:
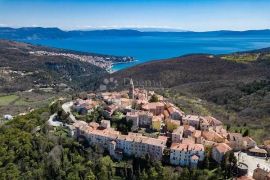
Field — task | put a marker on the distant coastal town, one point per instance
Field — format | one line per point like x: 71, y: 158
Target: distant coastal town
x: 104, y: 62
x: 162, y: 131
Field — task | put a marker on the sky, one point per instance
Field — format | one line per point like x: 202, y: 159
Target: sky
x: 195, y: 15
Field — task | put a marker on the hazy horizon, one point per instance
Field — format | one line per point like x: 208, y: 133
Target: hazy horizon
x: 192, y: 15
x: 141, y: 29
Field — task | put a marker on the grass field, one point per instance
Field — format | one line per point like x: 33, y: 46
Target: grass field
x: 21, y: 102
x: 7, y: 99
x: 243, y: 58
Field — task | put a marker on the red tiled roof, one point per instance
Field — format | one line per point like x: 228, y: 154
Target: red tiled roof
x: 166, y: 113
x: 197, y: 133
x: 223, y: 148
x: 194, y: 157
x: 153, y: 105
x: 245, y: 178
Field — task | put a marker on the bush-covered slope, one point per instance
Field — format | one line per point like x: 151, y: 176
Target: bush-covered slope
x: 237, y: 92
x: 21, y: 70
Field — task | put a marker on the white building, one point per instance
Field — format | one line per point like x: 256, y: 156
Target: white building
x: 139, y: 118
x: 131, y: 144
x: 219, y: 151
x: 185, y: 154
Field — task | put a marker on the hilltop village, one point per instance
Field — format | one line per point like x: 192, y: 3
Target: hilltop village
x: 157, y: 128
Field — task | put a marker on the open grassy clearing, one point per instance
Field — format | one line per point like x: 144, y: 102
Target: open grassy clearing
x: 21, y: 102
x: 241, y: 58
x: 8, y: 99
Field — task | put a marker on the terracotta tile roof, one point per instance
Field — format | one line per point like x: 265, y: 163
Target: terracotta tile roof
x: 94, y: 125
x: 166, y: 114
x: 213, y: 121
x: 189, y: 128
x: 178, y: 146
x: 197, y: 147
x: 157, y: 118
x: 244, y: 178
x: 153, y: 105
x: 248, y: 139
x: 121, y: 137
x: 194, y: 157
x: 210, y: 136
x: 223, y: 148
x: 179, y: 130
x: 132, y: 114
x: 256, y: 150
x: 188, y: 141
x: 197, y: 133
x: 155, y: 142
x: 79, y: 124
x: 125, y: 100
x: 237, y: 135
x: 176, y: 122
x: 145, y: 113
x: 187, y: 147
x: 163, y: 138
x: 209, y: 143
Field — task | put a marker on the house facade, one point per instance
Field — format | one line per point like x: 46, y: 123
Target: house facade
x: 219, y: 151
x: 186, y: 154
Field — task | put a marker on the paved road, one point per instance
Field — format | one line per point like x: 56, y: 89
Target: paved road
x: 66, y: 107
x: 252, y: 162
x: 54, y: 123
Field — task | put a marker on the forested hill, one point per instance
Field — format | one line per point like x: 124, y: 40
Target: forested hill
x: 234, y: 87
x: 22, y: 68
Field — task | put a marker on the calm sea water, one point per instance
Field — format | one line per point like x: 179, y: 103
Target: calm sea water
x: 147, y: 48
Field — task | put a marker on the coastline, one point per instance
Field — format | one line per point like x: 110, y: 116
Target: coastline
x: 112, y: 70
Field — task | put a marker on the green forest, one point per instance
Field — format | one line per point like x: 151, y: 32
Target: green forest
x: 30, y: 149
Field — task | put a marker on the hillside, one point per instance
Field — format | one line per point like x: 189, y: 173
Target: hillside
x: 236, y: 91
x: 24, y: 67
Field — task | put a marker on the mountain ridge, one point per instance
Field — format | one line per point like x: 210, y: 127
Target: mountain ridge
x: 47, y: 33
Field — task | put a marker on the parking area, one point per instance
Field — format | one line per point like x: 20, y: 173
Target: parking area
x: 252, y: 162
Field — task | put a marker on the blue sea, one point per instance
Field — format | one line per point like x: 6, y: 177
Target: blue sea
x: 147, y: 48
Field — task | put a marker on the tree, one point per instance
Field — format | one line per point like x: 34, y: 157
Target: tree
x: 206, y: 162
x: 105, y: 168
x: 246, y: 133
x: 228, y: 163
x: 228, y: 127
x: 143, y: 175
x: 55, y: 106
x: 232, y: 159
x: 95, y: 115
x: 117, y: 116
x: 154, y: 98
x: 153, y: 173
x: 170, y: 126
x: 185, y: 174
